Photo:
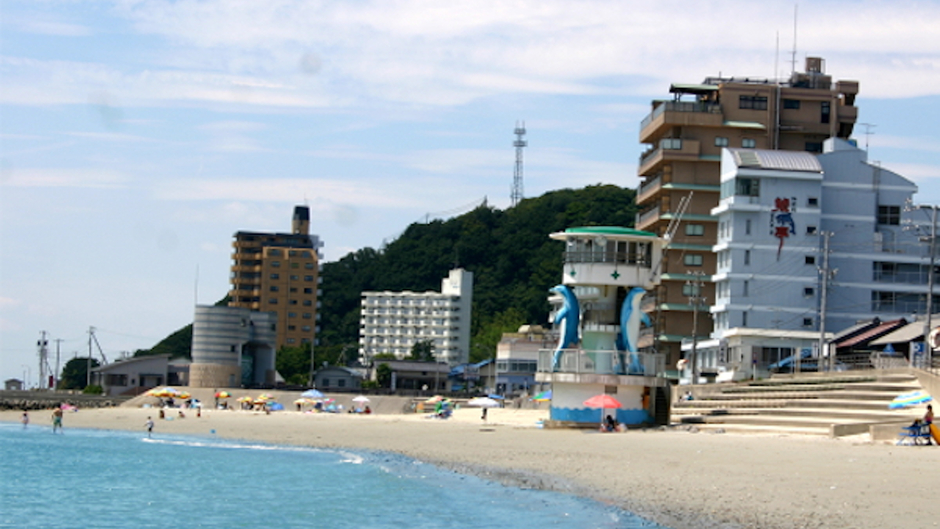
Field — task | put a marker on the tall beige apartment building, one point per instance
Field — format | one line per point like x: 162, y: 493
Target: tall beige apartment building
x: 279, y: 273
x: 684, y: 136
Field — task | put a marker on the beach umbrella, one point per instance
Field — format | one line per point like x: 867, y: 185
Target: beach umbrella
x: 909, y: 399
x: 222, y: 394
x: 434, y: 400
x: 361, y: 399
x: 483, y: 402
x: 543, y: 396
x: 184, y: 395
x: 495, y: 397
x: 266, y: 396
x: 246, y: 398
x: 312, y: 394
x: 602, y: 401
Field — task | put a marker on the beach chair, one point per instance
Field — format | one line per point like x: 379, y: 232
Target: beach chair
x: 915, y: 434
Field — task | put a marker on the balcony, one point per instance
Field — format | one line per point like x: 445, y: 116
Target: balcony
x: 580, y: 362
x: 668, y: 149
x: 647, y: 218
x: 648, y: 189
x: 679, y: 113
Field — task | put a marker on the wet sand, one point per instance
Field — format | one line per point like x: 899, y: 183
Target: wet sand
x: 677, y: 478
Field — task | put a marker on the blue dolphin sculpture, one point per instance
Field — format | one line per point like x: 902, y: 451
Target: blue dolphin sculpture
x: 568, y: 319
x: 630, y: 318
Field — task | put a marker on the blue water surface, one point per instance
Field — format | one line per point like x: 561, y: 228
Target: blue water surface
x: 103, y: 479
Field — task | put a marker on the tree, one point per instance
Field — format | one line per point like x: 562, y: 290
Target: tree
x: 293, y: 363
x: 422, y: 351
x: 75, y: 373
x: 383, y: 374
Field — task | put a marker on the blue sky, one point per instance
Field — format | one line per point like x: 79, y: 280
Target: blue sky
x: 137, y: 136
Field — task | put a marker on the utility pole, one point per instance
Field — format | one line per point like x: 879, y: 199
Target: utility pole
x: 43, y: 359
x: 932, y: 238
x: 695, y: 299
x: 825, y: 276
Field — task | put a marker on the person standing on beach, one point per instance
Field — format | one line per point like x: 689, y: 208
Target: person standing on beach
x: 149, y: 425
x: 25, y: 419
x: 57, y: 420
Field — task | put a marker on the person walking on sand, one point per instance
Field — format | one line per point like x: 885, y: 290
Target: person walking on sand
x: 928, y: 417
x: 149, y: 425
x: 57, y: 420
x: 25, y: 419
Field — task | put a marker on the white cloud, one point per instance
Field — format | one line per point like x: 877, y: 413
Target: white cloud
x: 65, y: 177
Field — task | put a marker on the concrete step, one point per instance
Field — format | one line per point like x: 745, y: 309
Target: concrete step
x: 760, y: 429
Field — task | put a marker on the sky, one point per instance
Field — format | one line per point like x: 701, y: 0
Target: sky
x: 137, y: 136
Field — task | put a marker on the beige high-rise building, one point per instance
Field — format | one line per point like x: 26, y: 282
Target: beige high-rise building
x: 685, y: 136
x: 279, y: 273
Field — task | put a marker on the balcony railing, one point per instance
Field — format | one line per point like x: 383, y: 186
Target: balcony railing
x: 649, y: 185
x: 680, y: 106
x: 601, y: 363
x: 648, y: 215
x: 604, y: 256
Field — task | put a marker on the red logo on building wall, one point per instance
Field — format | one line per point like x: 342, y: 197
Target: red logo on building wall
x: 781, y: 222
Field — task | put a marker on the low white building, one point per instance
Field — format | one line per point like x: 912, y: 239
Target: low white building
x: 392, y: 322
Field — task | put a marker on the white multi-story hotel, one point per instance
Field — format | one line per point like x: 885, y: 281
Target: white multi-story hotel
x: 775, y: 212
x: 392, y: 322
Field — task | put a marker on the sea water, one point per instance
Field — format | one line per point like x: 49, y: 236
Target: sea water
x: 104, y: 479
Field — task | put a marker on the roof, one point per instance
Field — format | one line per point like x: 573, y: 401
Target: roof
x: 908, y: 333
x: 872, y: 333
x: 679, y: 88
x: 609, y: 230
x: 779, y: 160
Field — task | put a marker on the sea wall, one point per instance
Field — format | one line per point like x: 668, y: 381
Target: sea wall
x: 42, y: 400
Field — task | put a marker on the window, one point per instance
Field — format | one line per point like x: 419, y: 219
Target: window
x: 752, y: 102
x: 291, y: 327
x: 813, y: 146
x: 291, y: 314
x: 276, y: 264
x: 275, y: 276
x: 308, y: 291
x: 812, y: 202
x: 695, y: 229
x: 693, y: 259
x: 307, y: 303
x: 673, y: 144
x: 721, y: 141
x: 807, y: 322
x: 308, y: 266
x: 889, y: 215
x: 307, y: 315
x: 272, y: 301
x: 811, y: 230
x: 825, y: 109
x: 292, y: 302
x: 748, y: 143
x: 305, y: 328
x: 273, y: 288
x: 308, y: 278
x: 808, y: 292
x: 748, y: 187
x: 791, y: 104
x: 747, y: 227
x: 294, y: 278
x: 747, y: 257
x: 744, y: 319
x: 810, y: 260
x: 690, y: 289
x: 745, y: 289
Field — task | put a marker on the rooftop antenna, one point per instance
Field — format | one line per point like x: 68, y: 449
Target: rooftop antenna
x: 793, y: 55
x: 516, y: 195
x: 868, y: 132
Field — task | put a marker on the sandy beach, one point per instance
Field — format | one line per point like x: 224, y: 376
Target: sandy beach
x: 675, y: 477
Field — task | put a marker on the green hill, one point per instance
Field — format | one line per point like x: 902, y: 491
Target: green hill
x: 513, y: 261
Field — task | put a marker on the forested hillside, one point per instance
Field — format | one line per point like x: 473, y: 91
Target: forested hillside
x: 513, y: 261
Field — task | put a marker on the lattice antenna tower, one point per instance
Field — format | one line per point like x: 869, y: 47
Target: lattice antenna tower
x: 517, y: 194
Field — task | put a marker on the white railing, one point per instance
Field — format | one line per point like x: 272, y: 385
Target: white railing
x: 601, y: 362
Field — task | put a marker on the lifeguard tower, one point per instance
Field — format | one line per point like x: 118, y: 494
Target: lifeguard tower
x: 598, y: 314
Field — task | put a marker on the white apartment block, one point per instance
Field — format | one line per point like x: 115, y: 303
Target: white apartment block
x: 774, y: 210
x: 392, y: 322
